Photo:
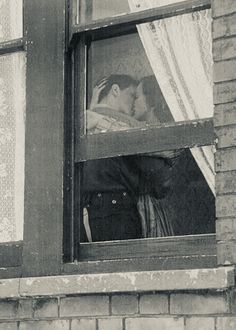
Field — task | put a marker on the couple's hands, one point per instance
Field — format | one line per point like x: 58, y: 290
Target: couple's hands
x: 93, y: 117
x: 97, y: 91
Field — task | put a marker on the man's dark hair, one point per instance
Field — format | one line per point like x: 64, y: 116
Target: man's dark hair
x: 122, y: 80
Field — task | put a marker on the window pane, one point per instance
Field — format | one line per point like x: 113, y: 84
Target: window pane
x: 124, y: 55
x: 96, y: 9
x: 151, y: 195
x: 11, y: 18
x: 12, y: 112
x: 171, y: 62
x: 91, y: 10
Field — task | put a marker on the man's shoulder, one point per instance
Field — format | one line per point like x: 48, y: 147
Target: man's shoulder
x: 110, y: 120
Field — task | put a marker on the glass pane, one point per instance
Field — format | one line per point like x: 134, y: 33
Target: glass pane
x: 91, y: 10
x: 152, y: 195
x: 161, y: 73
x: 118, y: 56
x: 12, y: 131
x: 11, y: 19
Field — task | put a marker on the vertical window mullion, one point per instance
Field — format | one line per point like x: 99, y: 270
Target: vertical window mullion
x: 80, y: 73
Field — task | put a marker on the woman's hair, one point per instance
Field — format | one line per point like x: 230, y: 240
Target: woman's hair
x: 122, y: 80
x: 150, y: 88
x: 155, y: 98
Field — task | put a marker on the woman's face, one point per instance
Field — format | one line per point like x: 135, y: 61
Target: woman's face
x: 140, y: 104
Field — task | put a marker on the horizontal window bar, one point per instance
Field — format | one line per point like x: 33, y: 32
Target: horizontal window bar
x: 167, y: 137
x: 141, y: 17
x: 141, y: 264
x: 189, y: 245
x: 12, y: 46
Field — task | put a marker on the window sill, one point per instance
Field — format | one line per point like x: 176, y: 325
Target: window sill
x: 170, y: 280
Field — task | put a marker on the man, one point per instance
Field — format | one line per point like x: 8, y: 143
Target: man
x: 112, y: 186
x: 112, y: 105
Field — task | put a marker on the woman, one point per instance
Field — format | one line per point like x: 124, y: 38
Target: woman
x: 150, y: 105
x: 151, y: 108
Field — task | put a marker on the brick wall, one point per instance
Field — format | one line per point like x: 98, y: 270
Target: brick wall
x: 224, y: 54
x: 195, y: 310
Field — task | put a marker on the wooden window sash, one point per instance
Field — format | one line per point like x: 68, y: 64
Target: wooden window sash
x: 144, y: 16
x: 177, y: 252
x: 149, y: 139
x: 180, y: 246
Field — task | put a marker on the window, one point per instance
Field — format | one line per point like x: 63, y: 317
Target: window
x: 12, y: 132
x: 137, y: 44
x: 32, y: 60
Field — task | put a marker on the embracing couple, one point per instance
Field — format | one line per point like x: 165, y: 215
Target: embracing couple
x: 116, y: 188
x: 121, y: 102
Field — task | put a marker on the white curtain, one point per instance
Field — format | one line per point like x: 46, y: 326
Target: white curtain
x: 11, y: 19
x: 180, y: 54
x: 12, y: 126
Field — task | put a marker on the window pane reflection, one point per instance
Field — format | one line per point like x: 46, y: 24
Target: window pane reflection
x: 153, y: 195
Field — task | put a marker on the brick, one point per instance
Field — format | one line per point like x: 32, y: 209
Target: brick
x: 226, y: 136
x: 224, y: 70
x: 226, y: 182
x: 8, y: 309
x: 198, y: 303
x: 8, y: 326
x: 9, y: 288
x: 224, y: 92
x: 225, y: 229
x: 225, y: 114
x: 45, y: 308
x: 83, y: 324
x: 200, y: 323
x: 154, y: 304
x: 226, y: 252
x: 17, y: 309
x: 111, y: 324
x: 124, y: 304
x: 159, y: 323
x: 224, y: 49
x: 226, y: 323
x: 223, y: 7
x: 25, y: 309
x: 225, y: 160
x: 226, y: 206
x: 85, y: 306
x: 224, y: 26
x: 45, y: 325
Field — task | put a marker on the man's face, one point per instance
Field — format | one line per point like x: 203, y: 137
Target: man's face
x: 126, y: 100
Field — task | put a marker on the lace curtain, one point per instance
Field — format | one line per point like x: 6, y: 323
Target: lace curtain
x: 12, y: 110
x: 11, y: 19
x: 180, y: 54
